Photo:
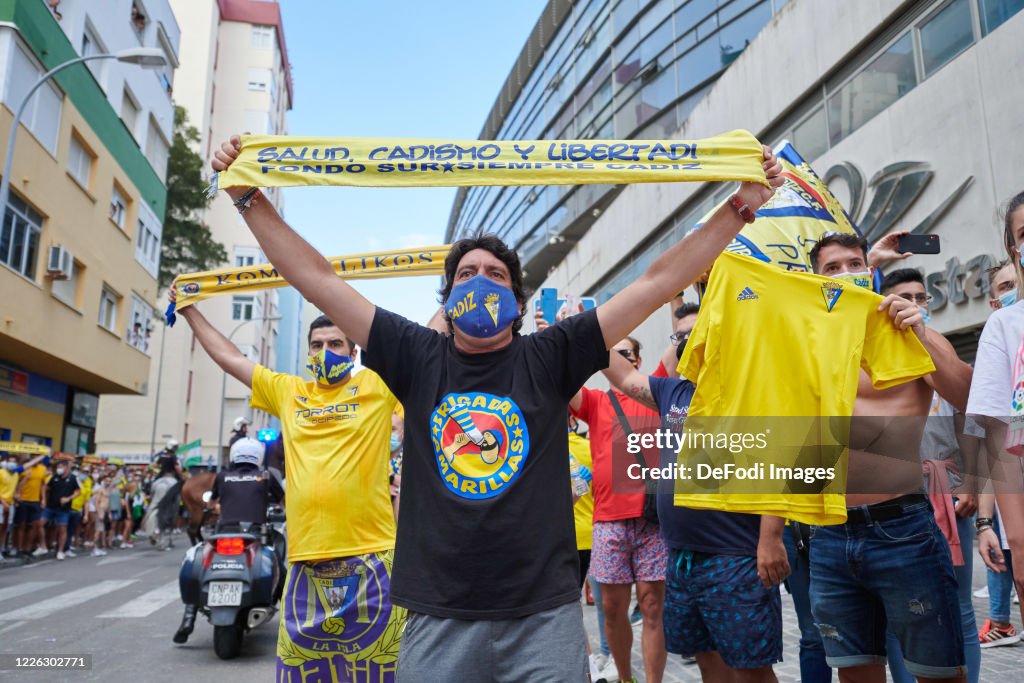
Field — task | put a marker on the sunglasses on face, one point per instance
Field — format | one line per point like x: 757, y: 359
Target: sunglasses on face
x: 626, y: 353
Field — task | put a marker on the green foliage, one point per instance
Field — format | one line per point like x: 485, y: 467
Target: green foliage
x: 188, y: 246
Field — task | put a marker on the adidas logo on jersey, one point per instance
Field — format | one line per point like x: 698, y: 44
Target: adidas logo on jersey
x: 747, y: 295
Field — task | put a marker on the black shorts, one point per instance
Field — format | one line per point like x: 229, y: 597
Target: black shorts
x: 584, y: 566
x: 27, y: 513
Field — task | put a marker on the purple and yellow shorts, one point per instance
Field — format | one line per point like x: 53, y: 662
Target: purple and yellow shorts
x: 338, y: 623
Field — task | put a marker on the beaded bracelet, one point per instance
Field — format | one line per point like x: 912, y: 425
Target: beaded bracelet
x: 246, y: 200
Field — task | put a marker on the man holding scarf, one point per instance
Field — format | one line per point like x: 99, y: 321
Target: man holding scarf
x: 486, y: 561
x: 336, y: 610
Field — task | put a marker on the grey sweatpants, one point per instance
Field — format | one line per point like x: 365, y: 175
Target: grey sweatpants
x: 547, y: 647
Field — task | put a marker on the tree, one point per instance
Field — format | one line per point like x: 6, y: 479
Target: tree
x: 188, y: 246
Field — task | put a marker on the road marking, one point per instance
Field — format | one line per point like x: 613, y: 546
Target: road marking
x: 11, y: 627
x: 25, y: 588
x: 147, y: 603
x: 118, y: 558
x: 64, y: 601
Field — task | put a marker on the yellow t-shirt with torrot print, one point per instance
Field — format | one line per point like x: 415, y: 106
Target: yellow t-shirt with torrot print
x: 336, y: 450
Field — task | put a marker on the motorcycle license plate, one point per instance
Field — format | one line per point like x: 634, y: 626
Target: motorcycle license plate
x: 224, y: 593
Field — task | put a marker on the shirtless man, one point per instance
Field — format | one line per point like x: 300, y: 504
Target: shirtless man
x: 101, y: 501
x: 888, y: 567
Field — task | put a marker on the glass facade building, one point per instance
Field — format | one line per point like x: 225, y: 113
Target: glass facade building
x: 612, y: 69
x: 636, y: 69
x: 929, y: 35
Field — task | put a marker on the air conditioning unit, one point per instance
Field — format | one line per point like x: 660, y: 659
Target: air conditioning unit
x: 59, y: 264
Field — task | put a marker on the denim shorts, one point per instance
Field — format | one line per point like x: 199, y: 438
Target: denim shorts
x: 58, y: 517
x: 717, y: 603
x: 895, y: 574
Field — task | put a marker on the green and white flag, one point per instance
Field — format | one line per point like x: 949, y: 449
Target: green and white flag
x: 191, y: 454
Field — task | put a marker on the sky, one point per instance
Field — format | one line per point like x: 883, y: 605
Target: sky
x: 396, y: 68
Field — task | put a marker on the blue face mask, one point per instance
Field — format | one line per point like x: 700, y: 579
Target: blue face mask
x: 480, y: 307
x: 1008, y: 299
x: 396, y: 443
x: 926, y: 316
x: 328, y: 368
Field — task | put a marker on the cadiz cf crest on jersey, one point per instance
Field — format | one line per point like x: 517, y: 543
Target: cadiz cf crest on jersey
x: 480, y: 443
x: 831, y: 291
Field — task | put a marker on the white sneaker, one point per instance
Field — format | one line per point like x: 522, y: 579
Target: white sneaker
x: 597, y: 663
x: 1016, y: 598
x: 60, y: 555
x: 98, y: 552
x: 39, y: 552
x: 609, y: 672
x: 71, y: 553
x: 981, y: 592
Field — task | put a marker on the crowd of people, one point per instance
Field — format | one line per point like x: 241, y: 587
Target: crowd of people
x: 512, y: 475
x: 487, y: 565
x: 61, y: 506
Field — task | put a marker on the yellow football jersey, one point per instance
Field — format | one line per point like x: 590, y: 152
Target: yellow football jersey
x: 336, y: 449
x: 583, y: 510
x: 79, y: 501
x: 776, y: 356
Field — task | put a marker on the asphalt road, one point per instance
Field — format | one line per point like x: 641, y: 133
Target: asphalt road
x: 122, y: 610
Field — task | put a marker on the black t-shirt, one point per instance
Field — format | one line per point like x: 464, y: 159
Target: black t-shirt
x: 486, y: 530
x: 58, y: 487
x: 243, y: 492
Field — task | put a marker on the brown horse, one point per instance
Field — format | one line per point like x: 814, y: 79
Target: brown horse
x: 192, y: 497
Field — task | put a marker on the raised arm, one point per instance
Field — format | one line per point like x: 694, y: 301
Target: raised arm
x: 670, y: 362
x: 34, y: 461
x: 623, y: 376
x: 952, y: 377
x: 299, y: 263
x: 220, y: 349
x: 681, y: 265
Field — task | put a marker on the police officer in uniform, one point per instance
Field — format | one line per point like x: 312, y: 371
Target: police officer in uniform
x: 243, y: 492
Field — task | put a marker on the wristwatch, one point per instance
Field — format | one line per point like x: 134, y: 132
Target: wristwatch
x: 742, y: 208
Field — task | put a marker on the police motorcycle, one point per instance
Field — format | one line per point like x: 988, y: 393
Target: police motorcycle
x: 236, y: 576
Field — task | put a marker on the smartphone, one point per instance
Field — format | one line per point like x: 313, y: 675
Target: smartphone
x: 918, y: 244
x: 548, y: 304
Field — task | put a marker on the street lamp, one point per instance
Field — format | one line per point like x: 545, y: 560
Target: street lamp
x: 146, y: 57
x: 224, y: 386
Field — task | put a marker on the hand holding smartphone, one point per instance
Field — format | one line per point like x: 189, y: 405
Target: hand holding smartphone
x: 918, y: 244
